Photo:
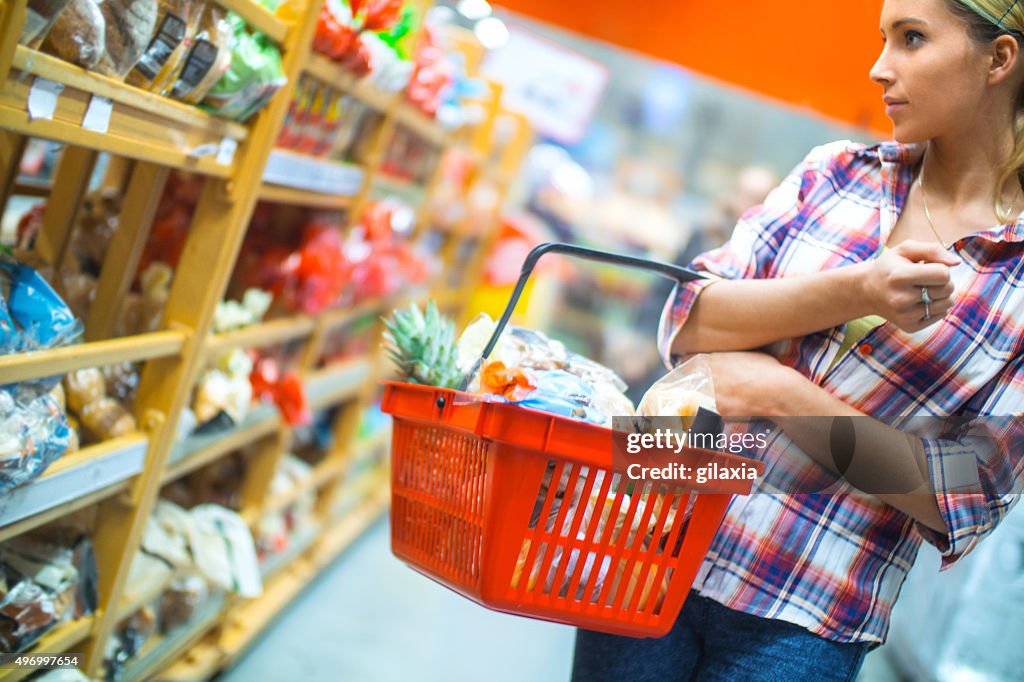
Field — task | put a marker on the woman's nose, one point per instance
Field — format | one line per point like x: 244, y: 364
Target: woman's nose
x: 881, y: 72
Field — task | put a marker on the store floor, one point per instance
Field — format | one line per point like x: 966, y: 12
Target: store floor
x: 370, y: 618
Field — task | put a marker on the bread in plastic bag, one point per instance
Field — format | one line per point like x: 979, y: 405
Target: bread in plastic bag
x: 129, y: 27
x: 27, y: 612
x: 78, y: 35
x: 34, y: 433
x: 682, y: 393
x: 159, y: 64
x: 40, y: 16
x: 207, y: 60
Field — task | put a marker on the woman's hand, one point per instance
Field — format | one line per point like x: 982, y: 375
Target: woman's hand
x: 751, y: 384
x: 894, y: 280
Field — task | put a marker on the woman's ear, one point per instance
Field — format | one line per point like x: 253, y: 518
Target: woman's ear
x: 1005, y: 54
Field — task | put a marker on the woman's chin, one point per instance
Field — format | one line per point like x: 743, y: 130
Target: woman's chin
x: 905, y: 134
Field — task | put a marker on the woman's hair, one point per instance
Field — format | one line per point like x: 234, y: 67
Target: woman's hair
x: 987, y: 20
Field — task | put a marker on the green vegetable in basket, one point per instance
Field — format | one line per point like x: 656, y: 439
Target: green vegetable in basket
x: 422, y: 345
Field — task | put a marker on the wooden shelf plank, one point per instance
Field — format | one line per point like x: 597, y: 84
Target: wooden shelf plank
x: 142, y: 125
x: 335, y: 319
x: 262, y: 335
x: 332, y: 74
x: 70, y: 480
x: 56, y: 641
x: 198, y: 450
x: 17, y: 367
x: 292, y: 196
x: 160, y: 652
x: 336, y: 383
x: 259, y: 18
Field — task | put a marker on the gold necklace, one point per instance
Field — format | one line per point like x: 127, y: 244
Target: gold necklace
x: 928, y: 214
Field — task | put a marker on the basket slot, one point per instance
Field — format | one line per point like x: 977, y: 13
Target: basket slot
x: 590, y: 529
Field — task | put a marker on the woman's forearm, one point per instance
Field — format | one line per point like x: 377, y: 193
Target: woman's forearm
x: 884, y: 458
x: 735, y: 315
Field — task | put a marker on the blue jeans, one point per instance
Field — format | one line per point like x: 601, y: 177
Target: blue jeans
x: 711, y: 643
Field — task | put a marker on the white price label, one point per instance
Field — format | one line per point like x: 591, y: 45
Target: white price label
x: 97, y: 116
x: 203, y: 150
x: 42, y: 98
x: 226, y: 153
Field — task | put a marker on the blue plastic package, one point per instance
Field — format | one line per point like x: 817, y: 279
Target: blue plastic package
x: 40, y: 317
x: 565, y: 394
x: 34, y: 433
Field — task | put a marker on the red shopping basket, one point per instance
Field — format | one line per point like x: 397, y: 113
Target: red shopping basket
x: 523, y: 511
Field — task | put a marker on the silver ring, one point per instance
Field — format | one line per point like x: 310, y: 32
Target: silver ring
x: 926, y: 299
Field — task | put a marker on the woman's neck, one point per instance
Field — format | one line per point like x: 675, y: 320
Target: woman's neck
x: 963, y: 171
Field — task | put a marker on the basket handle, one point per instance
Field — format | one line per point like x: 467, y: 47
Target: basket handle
x: 676, y: 272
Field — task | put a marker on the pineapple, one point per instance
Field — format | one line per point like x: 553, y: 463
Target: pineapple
x: 423, y: 346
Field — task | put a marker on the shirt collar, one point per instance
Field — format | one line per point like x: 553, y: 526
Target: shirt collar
x: 906, y: 157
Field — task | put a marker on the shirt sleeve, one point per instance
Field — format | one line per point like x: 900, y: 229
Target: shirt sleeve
x: 756, y: 241
x: 979, y: 476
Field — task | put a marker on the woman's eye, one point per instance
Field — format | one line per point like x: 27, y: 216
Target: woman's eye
x: 914, y: 38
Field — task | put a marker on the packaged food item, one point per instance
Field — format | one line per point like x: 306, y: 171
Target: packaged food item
x: 208, y: 59
x: 78, y: 35
x: 27, y: 612
x: 130, y: 25
x: 32, y: 315
x: 39, y: 18
x: 180, y: 602
x: 253, y: 75
x: 103, y: 416
x: 34, y: 433
x: 224, y: 389
x: 176, y: 24
x: 682, y: 394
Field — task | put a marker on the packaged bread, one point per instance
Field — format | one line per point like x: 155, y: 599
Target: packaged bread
x: 160, y: 62
x: 207, y: 60
x: 79, y: 34
x: 130, y: 25
x: 83, y: 387
x: 39, y: 18
x: 107, y: 419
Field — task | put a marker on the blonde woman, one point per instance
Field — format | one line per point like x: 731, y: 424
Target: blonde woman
x: 882, y: 281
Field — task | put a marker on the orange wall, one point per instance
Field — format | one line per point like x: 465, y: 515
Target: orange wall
x: 813, y: 53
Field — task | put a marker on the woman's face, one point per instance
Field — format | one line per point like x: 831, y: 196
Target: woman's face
x: 932, y: 73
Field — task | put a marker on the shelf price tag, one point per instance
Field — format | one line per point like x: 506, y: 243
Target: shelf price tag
x: 226, y: 152
x: 97, y: 116
x: 42, y: 98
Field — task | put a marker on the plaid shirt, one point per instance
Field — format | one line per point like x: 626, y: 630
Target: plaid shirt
x: 834, y: 562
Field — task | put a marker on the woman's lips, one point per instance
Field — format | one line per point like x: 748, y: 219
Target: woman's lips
x: 894, y: 106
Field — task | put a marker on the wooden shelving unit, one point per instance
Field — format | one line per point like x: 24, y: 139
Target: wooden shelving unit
x: 147, y: 137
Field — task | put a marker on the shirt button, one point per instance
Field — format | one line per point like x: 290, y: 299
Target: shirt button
x: 866, y: 349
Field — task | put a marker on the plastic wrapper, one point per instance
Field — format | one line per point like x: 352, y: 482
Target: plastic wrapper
x: 159, y: 64
x: 32, y: 315
x: 222, y: 545
x: 224, y: 388
x: 34, y: 433
x: 682, y: 394
x: 78, y: 35
x: 103, y: 416
x: 231, y: 315
x: 253, y: 76
x: 181, y: 600
x: 40, y: 16
x: 208, y: 59
x: 27, y: 612
x: 129, y: 27
x: 66, y: 573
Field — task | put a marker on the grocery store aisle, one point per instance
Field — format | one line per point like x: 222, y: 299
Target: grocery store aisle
x: 370, y: 618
